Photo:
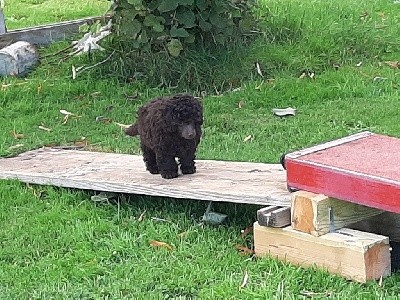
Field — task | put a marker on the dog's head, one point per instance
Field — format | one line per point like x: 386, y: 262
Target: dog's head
x: 185, y: 115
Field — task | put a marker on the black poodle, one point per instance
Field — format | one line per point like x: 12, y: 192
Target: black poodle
x: 169, y: 127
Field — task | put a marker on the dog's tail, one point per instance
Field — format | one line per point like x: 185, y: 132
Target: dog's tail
x: 132, y: 130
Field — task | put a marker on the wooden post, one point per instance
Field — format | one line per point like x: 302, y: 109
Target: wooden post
x: 3, y: 28
x: 356, y: 255
x: 318, y: 214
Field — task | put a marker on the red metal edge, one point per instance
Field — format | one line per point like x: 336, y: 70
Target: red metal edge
x: 344, y: 185
x: 329, y: 144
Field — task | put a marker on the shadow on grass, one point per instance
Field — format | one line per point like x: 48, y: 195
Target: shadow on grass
x: 239, y: 215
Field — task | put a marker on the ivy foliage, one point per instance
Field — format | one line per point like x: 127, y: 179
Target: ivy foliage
x: 173, y: 25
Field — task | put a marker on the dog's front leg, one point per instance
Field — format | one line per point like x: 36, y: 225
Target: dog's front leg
x: 167, y: 166
x: 186, y: 160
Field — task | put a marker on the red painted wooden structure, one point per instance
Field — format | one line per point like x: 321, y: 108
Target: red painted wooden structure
x: 363, y: 168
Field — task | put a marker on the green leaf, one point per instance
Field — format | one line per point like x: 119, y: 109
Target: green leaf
x: 135, y: 44
x: 153, y: 4
x: 168, y: 5
x: 150, y: 20
x: 143, y: 38
x: 125, y: 5
x: 190, y: 39
x: 204, y: 15
x: 217, y: 20
x: 156, y: 22
x: 127, y: 14
x: 135, y: 2
x: 205, y: 26
x: 236, y: 13
x: 178, y: 32
x: 201, y: 4
x: 158, y: 27
x: 186, y: 2
x: 220, y: 6
x: 131, y: 28
x: 220, y: 38
x: 174, y: 47
x: 186, y: 17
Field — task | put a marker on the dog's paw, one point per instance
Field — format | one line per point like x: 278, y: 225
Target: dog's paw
x: 190, y: 170
x: 169, y: 175
x: 153, y: 170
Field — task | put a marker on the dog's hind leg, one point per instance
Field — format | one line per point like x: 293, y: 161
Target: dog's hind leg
x: 149, y: 158
x: 167, y: 166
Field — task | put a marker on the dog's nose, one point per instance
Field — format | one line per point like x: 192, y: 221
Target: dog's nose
x: 191, y: 135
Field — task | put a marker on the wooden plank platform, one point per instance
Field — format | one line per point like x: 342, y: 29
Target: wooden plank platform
x: 361, y: 168
x: 239, y: 182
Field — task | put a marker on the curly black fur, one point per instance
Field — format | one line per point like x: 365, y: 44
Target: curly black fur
x: 169, y: 127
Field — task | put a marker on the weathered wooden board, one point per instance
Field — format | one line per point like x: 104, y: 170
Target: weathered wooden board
x: 356, y: 255
x: 46, y: 34
x: 360, y: 168
x: 240, y: 182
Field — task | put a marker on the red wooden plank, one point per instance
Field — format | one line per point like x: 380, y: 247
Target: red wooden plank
x: 361, y: 168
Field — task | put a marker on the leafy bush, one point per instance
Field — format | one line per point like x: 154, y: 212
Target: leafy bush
x: 172, y: 25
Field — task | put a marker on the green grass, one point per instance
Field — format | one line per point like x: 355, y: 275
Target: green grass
x: 25, y: 13
x: 58, y: 244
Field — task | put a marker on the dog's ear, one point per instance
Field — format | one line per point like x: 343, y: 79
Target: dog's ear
x: 200, y: 117
x: 168, y: 121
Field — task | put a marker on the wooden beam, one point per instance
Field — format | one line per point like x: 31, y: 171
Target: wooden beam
x: 46, y: 34
x: 387, y: 224
x: 359, y: 168
x: 318, y: 214
x: 274, y: 216
x: 355, y: 255
x: 238, y: 182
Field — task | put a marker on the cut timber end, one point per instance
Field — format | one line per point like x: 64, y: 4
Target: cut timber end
x: 238, y: 182
x: 358, y: 169
x: 356, y: 255
x: 18, y: 58
x: 318, y: 214
x: 274, y: 216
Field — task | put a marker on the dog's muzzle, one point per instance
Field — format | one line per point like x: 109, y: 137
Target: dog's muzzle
x: 188, y: 132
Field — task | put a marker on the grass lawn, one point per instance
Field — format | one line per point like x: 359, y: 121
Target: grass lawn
x: 59, y: 244
x: 26, y: 13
